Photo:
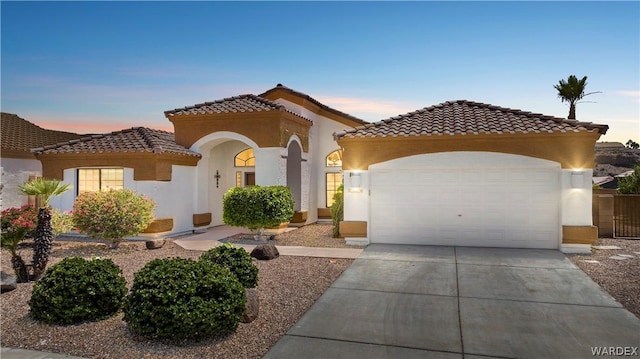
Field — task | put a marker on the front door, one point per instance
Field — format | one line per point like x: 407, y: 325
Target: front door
x: 249, y: 179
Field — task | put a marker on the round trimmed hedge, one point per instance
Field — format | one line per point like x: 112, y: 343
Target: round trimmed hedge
x: 178, y: 298
x: 77, y: 290
x: 237, y: 259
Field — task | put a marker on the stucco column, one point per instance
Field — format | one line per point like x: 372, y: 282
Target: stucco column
x: 271, y: 166
x: 357, y: 224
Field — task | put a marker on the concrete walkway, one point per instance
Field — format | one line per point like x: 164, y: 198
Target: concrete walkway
x: 448, y: 302
x: 12, y: 353
x: 209, y: 239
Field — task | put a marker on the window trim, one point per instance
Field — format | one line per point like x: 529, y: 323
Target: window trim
x: 235, y: 158
x: 99, y: 176
x: 326, y: 186
x: 326, y: 158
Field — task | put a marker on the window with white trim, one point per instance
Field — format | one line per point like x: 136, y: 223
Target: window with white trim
x: 245, y: 158
x: 333, y: 181
x: 100, y: 179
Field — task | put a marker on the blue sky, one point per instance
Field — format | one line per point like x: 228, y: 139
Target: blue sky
x: 101, y: 66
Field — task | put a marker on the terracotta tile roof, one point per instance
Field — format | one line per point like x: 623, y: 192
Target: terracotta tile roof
x: 468, y: 118
x: 136, y: 139
x: 242, y: 103
x: 311, y: 99
x: 20, y: 135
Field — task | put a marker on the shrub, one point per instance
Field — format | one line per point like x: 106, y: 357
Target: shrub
x: 76, y: 290
x: 337, y: 210
x: 61, y: 222
x: 112, y: 215
x: 26, y: 212
x: 16, y: 223
x: 237, y: 260
x: 630, y: 184
x: 178, y: 298
x: 257, y: 207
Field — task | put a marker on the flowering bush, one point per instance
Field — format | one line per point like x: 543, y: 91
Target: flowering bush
x: 112, y: 215
x: 61, y: 222
x: 16, y: 224
x: 26, y: 213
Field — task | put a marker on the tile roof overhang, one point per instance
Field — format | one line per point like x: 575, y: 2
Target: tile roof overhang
x: 468, y: 118
x: 265, y: 122
x: 20, y: 135
x: 304, y: 100
x: 471, y: 126
x: 151, y: 153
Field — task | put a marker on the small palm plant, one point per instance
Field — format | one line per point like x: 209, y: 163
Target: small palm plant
x: 44, y: 189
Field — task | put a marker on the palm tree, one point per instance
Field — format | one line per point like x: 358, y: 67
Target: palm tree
x: 44, y: 189
x: 572, y: 91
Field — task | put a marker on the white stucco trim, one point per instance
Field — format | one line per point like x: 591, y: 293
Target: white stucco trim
x: 213, y: 139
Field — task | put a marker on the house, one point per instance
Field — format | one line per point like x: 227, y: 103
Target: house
x: 18, y: 163
x: 470, y: 174
x: 458, y: 173
x: 281, y: 137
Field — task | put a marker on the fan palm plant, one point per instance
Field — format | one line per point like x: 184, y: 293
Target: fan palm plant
x: 44, y: 189
x: 572, y: 91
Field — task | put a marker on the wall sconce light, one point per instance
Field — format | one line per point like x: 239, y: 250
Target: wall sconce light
x: 217, y: 177
x: 355, y: 179
x: 577, y: 179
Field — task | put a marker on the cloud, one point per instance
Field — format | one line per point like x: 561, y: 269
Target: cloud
x: 92, y: 124
x: 375, y: 109
x: 633, y: 94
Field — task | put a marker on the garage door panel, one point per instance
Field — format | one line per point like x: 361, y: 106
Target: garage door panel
x: 500, y: 207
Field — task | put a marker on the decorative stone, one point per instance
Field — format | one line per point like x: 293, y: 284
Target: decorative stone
x: 619, y: 258
x: 605, y: 247
x: 155, y: 243
x: 265, y: 252
x: 7, y: 282
x: 253, y: 306
x: 591, y: 261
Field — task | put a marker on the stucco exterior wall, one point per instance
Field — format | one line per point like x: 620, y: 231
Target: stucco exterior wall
x: 321, y: 143
x: 575, y: 196
x: 173, y: 198
x: 16, y: 171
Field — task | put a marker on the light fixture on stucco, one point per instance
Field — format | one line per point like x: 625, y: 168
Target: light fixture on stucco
x: 355, y: 179
x: 577, y: 179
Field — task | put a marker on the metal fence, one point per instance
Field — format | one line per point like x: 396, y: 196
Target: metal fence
x: 626, y: 215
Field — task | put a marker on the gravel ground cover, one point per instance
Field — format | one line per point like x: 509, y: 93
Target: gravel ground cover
x: 315, y: 235
x: 619, y: 277
x: 287, y: 287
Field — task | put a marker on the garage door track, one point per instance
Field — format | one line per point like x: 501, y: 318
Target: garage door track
x: 398, y: 301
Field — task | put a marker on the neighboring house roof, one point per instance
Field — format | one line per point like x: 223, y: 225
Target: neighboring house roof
x: 464, y: 117
x: 236, y: 104
x: 601, y: 180
x: 136, y: 139
x: 19, y: 136
x: 280, y: 87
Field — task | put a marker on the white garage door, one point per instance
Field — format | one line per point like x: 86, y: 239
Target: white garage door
x: 488, y: 207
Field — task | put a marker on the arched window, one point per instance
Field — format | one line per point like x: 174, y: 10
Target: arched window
x: 245, y: 158
x: 334, y: 159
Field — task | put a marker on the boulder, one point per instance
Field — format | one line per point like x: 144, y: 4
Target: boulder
x: 253, y: 306
x: 7, y: 282
x: 155, y: 243
x: 265, y: 252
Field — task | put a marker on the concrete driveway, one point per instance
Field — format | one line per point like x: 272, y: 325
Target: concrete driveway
x: 398, y: 301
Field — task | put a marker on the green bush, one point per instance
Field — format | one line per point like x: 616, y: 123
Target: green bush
x: 337, y: 210
x: 112, y: 215
x: 237, y: 260
x: 77, y: 290
x: 630, y: 184
x: 178, y: 298
x: 257, y: 207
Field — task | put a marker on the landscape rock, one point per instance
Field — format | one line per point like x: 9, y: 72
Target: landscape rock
x: 155, y: 243
x: 7, y: 282
x: 253, y: 306
x: 265, y: 252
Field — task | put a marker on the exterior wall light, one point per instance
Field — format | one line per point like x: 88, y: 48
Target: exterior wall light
x: 577, y: 179
x: 355, y: 179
